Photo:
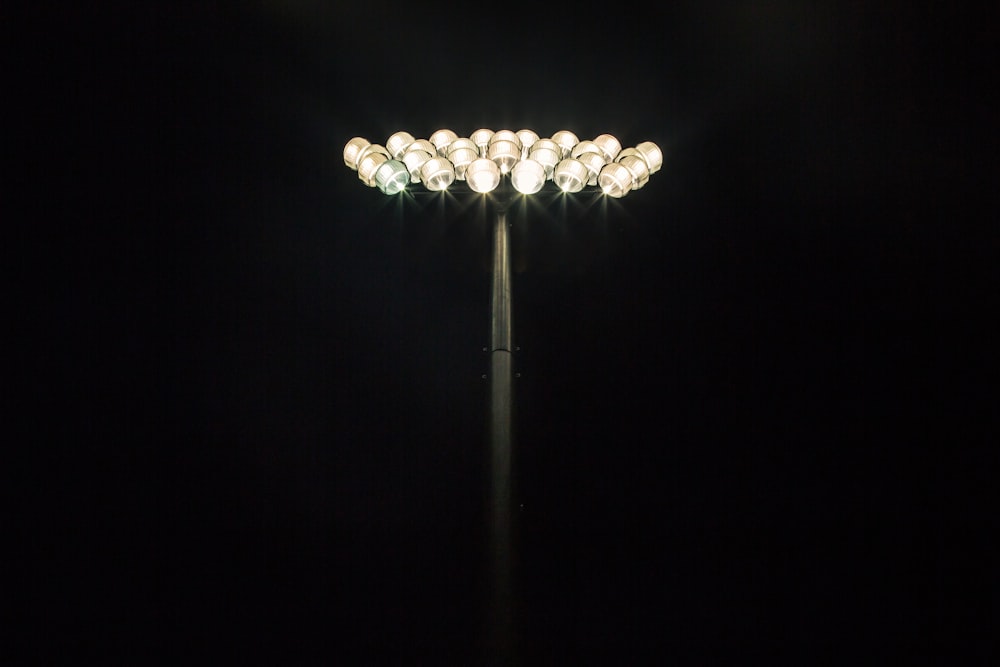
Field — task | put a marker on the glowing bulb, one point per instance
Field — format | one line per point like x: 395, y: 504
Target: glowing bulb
x: 398, y: 143
x: 527, y: 177
x: 571, y: 175
x: 437, y: 174
x: 615, y: 179
x: 482, y: 175
x: 391, y: 176
x: 441, y: 139
x: 352, y: 151
x: 609, y: 146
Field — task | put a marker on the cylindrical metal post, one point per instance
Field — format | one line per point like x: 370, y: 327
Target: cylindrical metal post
x: 501, y: 379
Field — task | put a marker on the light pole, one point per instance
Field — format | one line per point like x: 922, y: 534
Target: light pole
x: 487, y: 160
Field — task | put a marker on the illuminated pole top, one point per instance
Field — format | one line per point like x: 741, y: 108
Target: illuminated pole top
x: 485, y: 157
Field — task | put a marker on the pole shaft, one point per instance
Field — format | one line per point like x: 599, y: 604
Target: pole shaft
x: 501, y: 413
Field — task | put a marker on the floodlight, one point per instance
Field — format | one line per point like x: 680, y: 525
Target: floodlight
x: 585, y: 147
x: 652, y: 154
x: 398, y: 143
x: 638, y: 167
x: 505, y: 153
x: 571, y: 175
x: 547, y: 153
x: 437, y: 174
x: 594, y: 163
x: 441, y: 139
x: 506, y: 135
x: 352, y: 151
x: 367, y: 166
x: 391, y: 176
x: 527, y: 177
x: 615, y: 179
x: 461, y: 152
x: 482, y: 175
x: 481, y: 138
x: 566, y: 141
x: 414, y: 159
x: 527, y: 139
x: 609, y: 146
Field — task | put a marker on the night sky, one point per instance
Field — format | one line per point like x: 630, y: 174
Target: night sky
x: 751, y: 417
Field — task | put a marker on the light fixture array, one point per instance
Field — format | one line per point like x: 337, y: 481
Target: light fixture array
x: 484, y: 157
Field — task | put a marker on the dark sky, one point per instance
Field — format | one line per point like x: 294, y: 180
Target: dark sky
x: 750, y: 416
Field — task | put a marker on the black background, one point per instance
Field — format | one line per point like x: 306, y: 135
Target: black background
x: 752, y: 410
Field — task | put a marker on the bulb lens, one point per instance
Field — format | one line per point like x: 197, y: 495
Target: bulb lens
x: 482, y: 175
x: 527, y: 177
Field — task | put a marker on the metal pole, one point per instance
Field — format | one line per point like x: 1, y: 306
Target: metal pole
x: 501, y: 379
